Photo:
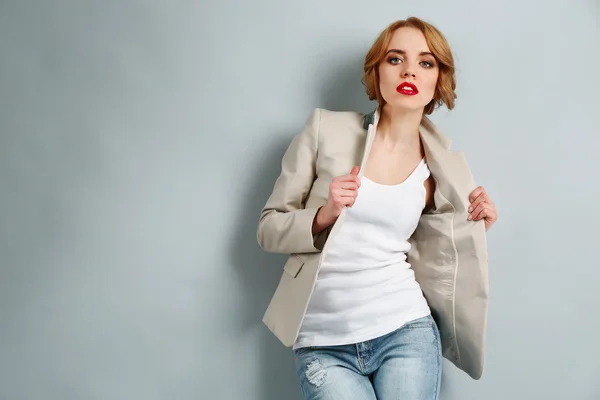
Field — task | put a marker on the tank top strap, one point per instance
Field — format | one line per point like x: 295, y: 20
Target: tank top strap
x: 422, y: 171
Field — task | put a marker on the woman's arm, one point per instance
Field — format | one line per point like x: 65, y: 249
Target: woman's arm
x: 285, y: 226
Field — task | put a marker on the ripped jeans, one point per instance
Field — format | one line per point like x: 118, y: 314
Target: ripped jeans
x: 405, y: 364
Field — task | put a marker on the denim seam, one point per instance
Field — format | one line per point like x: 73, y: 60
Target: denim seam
x: 438, y: 359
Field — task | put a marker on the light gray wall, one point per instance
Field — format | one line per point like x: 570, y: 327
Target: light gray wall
x: 139, y: 140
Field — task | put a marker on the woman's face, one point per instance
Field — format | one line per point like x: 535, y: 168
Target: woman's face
x: 409, y: 72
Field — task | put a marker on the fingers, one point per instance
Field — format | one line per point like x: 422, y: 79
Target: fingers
x: 352, y: 177
x: 338, y: 184
x: 476, y: 193
x: 481, y: 211
x: 340, y: 193
x: 482, y: 198
x: 343, y: 190
x: 344, y: 199
x: 348, y: 185
x: 488, y: 215
x: 482, y: 207
x: 347, y: 201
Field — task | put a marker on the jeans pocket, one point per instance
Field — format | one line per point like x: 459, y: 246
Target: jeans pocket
x: 302, y: 350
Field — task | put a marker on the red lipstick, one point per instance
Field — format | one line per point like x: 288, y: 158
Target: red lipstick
x: 407, y: 88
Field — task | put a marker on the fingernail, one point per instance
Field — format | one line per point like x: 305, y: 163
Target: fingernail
x: 470, y: 209
x: 469, y: 217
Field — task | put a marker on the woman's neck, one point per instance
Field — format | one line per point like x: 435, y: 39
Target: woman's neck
x: 399, y: 128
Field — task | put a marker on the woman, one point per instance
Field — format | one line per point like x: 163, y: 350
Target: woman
x: 385, y: 231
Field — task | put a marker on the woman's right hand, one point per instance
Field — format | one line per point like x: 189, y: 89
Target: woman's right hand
x: 342, y: 193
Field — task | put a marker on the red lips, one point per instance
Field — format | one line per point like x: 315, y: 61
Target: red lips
x: 407, y: 88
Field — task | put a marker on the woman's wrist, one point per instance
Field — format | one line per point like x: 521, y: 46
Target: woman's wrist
x: 321, y: 221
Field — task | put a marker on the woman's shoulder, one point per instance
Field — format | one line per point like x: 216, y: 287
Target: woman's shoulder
x: 340, y: 120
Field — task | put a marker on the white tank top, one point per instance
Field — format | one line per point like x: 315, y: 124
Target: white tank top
x: 365, y: 288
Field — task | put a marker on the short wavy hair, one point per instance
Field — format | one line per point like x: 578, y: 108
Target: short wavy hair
x: 444, y: 91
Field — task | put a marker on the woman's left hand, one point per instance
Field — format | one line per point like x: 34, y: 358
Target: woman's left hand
x: 482, y: 207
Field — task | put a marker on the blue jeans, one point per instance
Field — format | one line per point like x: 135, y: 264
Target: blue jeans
x: 405, y: 364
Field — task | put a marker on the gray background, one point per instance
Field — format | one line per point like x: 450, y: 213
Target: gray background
x: 139, y: 140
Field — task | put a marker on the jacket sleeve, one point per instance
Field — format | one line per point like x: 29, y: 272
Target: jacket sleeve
x: 285, y: 225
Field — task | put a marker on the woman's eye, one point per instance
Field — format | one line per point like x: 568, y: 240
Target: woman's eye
x: 427, y: 64
x: 395, y: 60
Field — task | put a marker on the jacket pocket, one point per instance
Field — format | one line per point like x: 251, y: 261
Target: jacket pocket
x: 293, y: 265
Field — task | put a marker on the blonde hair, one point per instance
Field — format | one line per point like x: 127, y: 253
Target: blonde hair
x: 444, y: 91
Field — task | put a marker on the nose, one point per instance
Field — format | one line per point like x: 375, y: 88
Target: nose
x: 407, y: 71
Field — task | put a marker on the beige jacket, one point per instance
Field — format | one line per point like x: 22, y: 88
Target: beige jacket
x: 448, y: 254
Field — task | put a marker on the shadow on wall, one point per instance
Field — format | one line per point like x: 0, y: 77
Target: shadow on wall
x: 259, y: 274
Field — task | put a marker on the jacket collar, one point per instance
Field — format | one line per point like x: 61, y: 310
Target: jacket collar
x: 370, y: 118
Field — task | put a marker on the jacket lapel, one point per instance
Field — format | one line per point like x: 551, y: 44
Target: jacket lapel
x: 449, y: 256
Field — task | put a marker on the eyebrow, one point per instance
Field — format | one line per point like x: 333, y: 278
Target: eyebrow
x: 423, y: 53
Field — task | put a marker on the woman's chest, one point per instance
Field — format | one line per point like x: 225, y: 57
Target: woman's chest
x: 391, y: 210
